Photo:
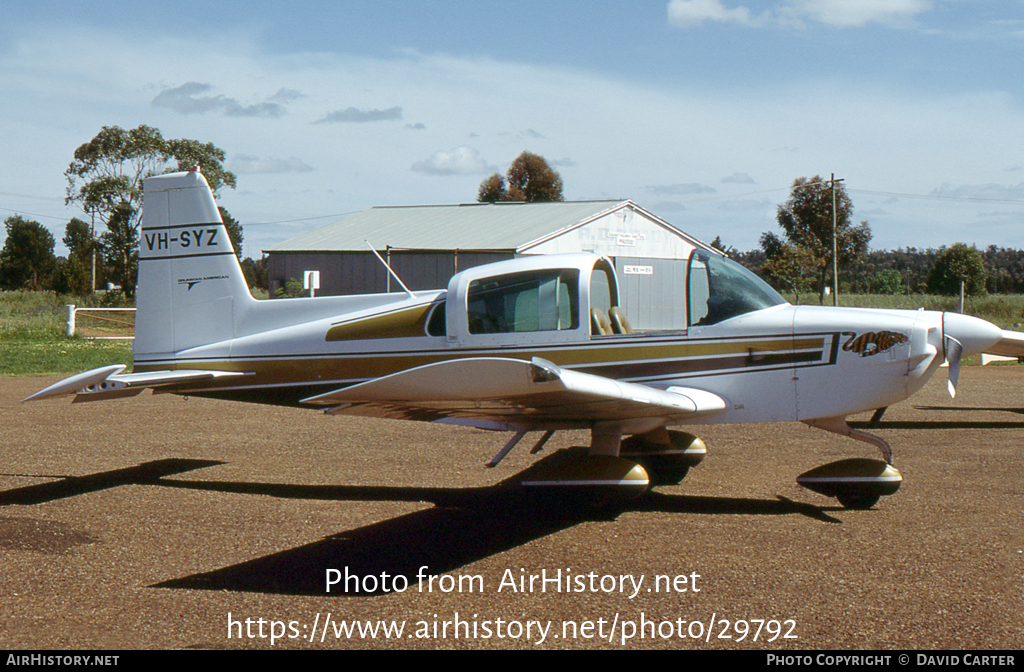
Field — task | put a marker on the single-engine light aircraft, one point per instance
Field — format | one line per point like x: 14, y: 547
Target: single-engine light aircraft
x: 532, y: 344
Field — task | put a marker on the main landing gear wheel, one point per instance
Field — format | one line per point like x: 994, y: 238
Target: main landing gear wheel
x: 666, y: 463
x: 859, y: 502
x: 857, y: 483
x: 595, y: 478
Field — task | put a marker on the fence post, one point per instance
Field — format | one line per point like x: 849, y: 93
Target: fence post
x: 71, y: 319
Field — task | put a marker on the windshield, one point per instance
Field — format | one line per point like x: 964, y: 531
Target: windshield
x: 719, y: 288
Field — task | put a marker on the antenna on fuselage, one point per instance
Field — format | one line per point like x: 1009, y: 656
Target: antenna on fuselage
x: 393, y: 274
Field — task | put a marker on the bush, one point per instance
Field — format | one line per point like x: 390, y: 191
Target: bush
x: 957, y: 264
x: 888, y: 281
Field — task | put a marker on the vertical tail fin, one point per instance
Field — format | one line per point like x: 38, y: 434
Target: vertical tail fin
x: 191, y: 287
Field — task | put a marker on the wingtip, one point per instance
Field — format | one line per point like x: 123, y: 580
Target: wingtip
x: 72, y: 384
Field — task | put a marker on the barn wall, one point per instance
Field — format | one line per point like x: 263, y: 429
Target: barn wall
x: 361, y: 273
x: 652, y: 291
x: 622, y: 232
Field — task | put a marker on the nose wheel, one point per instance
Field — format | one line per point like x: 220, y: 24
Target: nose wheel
x: 857, y: 483
x: 861, y: 502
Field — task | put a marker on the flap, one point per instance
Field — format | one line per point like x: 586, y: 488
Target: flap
x: 515, y: 392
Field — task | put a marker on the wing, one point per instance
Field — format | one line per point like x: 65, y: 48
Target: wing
x: 109, y: 383
x: 500, y: 393
x: 1011, y: 345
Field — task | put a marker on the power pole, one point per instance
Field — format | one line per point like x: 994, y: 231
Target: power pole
x: 835, y: 258
x: 92, y: 244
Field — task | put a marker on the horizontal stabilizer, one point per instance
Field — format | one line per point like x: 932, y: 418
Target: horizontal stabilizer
x: 1011, y: 345
x: 109, y: 382
x: 533, y: 393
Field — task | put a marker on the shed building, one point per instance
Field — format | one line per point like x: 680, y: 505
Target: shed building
x: 426, y: 245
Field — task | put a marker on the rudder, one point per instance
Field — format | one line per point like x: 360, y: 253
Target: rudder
x: 190, y: 285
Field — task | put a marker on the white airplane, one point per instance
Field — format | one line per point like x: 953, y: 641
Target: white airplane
x: 532, y: 344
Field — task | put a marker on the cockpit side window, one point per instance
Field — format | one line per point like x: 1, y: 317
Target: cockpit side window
x: 545, y: 300
x: 719, y: 289
x: 437, y: 322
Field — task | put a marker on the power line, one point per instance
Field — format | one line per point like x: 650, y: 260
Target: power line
x: 934, y: 197
x: 33, y: 214
x: 290, y: 221
x: 938, y: 197
x: 36, y: 198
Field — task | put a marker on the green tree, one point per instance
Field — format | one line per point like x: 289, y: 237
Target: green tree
x: 27, y: 259
x: 255, y: 272
x: 234, y: 231
x: 888, y: 281
x: 78, y: 239
x: 786, y: 267
x: 105, y: 179
x: 530, y: 179
x: 727, y: 250
x: 957, y: 264
x: 806, y: 219
x: 492, y: 189
x: 74, y: 275
x: 120, y: 243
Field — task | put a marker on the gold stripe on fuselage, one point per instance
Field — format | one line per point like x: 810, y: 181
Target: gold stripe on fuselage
x: 638, y: 359
x: 404, y: 323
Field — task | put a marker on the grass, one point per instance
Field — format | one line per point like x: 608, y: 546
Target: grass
x: 1004, y: 310
x: 33, y: 326
x: 33, y: 340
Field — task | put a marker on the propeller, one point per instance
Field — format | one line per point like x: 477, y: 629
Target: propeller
x: 965, y: 335
x: 953, y: 352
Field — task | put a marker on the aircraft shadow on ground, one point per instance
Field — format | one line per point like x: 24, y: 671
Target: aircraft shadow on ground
x: 949, y: 424
x: 464, y: 525
x: 146, y: 473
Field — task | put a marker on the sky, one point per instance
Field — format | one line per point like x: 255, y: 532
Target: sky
x: 701, y: 111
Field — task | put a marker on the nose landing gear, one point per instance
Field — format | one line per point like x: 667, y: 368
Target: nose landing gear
x: 857, y: 483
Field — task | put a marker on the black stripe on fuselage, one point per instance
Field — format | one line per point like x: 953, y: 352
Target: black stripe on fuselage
x: 651, y: 371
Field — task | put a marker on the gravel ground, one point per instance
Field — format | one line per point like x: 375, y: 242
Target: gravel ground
x: 155, y: 522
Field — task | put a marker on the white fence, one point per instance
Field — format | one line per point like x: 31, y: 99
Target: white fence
x: 101, y: 323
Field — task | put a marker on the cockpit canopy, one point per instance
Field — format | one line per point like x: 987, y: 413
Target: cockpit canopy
x: 575, y: 297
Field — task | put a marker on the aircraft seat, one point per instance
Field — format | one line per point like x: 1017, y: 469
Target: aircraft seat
x: 599, y: 323
x: 617, y: 317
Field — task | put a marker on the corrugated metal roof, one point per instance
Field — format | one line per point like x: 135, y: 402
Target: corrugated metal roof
x: 474, y: 226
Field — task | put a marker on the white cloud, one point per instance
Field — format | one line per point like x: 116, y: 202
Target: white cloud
x: 796, y: 13
x: 987, y: 192
x: 681, y: 138
x: 286, y: 95
x: 680, y: 189
x: 353, y: 116
x: 186, y: 100
x: 738, y: 178
x: 460, y: 161
x: 686, y: 13
x: 857, y: 13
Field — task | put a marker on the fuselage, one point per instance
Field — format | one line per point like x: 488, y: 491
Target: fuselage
x: 779, y: 363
